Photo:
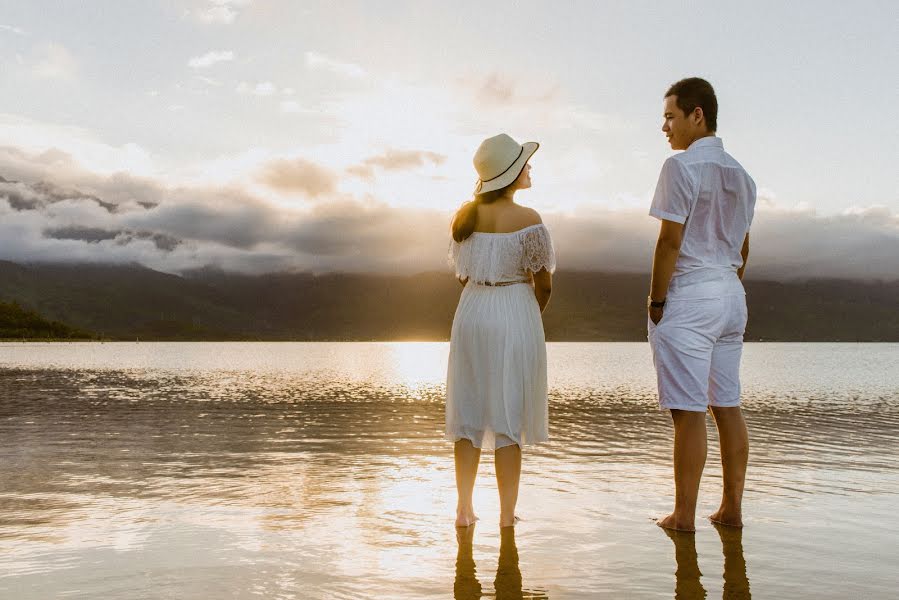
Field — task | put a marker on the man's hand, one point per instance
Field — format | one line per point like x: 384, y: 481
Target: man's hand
x: 655, y: 314
x: 671, y: 235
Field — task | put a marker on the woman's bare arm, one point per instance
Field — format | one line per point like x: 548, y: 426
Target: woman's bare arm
x: 543, y: 287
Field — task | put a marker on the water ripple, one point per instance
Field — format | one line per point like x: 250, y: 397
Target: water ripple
x: 312, y: 471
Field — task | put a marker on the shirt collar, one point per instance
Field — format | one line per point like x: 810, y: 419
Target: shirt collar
x: 709, y: 141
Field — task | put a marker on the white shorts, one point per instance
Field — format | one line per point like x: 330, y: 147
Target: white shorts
x: 696, y: 349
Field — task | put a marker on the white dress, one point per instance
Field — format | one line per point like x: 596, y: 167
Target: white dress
x: 496, y: 391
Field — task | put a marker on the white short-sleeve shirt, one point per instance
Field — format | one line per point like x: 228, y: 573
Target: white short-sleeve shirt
x: 708, y: 191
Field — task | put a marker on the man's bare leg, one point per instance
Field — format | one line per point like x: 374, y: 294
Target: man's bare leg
x: 467, y: 459
x: 689, y: 461
x: 508, y: 475
x: 734, y: 456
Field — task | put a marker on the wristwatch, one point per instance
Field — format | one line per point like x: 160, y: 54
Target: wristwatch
x: 653, y: 303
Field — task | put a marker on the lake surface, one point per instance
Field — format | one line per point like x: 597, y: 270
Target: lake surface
x: 319, y: 470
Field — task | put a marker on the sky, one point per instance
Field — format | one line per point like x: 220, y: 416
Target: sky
x: 264, y: 135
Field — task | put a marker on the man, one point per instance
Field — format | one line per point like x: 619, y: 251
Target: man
x: 697, y: 305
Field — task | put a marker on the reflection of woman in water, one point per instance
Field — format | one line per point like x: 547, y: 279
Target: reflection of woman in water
x: 496, y: 389
x: 688, y: 585
x: 508, y: 582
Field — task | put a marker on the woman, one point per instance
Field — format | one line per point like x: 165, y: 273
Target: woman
x: 496, y: 379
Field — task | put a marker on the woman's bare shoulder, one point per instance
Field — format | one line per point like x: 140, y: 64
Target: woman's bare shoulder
x: 528, y: 217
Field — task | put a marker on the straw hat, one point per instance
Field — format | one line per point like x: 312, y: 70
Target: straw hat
x: 499, y: 160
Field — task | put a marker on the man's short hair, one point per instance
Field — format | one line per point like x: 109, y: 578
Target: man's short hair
x: 695, y: 91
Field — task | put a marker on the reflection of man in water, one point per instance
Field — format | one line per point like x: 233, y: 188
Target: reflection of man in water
x: 687, y: 576
x: 508, y: 582
x: 697, y: 305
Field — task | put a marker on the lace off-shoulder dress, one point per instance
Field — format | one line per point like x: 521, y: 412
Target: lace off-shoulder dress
x: 496, y: 390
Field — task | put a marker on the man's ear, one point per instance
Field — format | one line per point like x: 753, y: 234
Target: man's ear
x: 697, y: 115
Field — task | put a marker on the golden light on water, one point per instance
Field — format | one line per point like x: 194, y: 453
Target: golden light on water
x: 320, y: 470
x: 417, y: 365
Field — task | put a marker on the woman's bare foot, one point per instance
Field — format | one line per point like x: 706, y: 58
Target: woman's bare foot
x: 465, y: 518
x: 506, y: 522
x: 676, y: 523
x: 723, y: 517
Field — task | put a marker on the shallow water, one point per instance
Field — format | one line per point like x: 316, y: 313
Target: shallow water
x: 319, y: 471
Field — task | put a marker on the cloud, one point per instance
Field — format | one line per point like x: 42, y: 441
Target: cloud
x: 318, y: 61
x: 225, y: 217
x: 71, y: 179
x: 26, y: 141
x: 121, y: 219
x: 395, y: 160
x: 85, y: 234
x: 293, y: 107
x: 405, y: 159
x: 264, y: 88
x: 210, y: 58
x: 299, y: 175
x: 497, y: 89
x: 21, y: 196
x: 527, y: 103
x: 220, y: 226
x: 95, y: 235
x: 861, y: 243
x: 218, y: 14
x: 12, y: 29
x: 222, y: 12
x: 54, y: 61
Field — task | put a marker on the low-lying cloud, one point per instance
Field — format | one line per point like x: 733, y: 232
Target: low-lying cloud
x: 84, y: 217
x: 784, y: 244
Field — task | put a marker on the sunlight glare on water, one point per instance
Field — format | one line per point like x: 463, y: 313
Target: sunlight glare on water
x: 320, y: 471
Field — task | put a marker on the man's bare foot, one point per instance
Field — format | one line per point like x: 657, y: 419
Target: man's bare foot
x: 504, y: 522
x: 466, y: 519
x: 675, y: 523
x: 723, y: 517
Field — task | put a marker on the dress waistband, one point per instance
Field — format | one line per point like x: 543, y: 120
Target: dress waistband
x: 501, y: 283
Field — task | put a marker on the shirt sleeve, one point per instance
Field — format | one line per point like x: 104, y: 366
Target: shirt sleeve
x: 752, y: 198
x: 674, y: 193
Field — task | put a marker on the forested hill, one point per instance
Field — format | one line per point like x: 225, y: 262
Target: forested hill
x: 127, y: 302
x: 17, y: 322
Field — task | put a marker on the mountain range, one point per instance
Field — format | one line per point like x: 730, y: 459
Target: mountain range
x: 132, y: 301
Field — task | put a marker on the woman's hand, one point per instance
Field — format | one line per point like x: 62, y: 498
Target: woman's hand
x: 655, y: 314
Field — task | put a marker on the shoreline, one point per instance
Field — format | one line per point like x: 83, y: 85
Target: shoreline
x: 388, y: 341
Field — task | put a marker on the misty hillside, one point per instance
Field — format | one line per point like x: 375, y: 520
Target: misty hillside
x: 126, y: 302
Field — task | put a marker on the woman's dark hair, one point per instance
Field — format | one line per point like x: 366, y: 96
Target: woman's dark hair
x: 692, y: 92
x: 466, y: 218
